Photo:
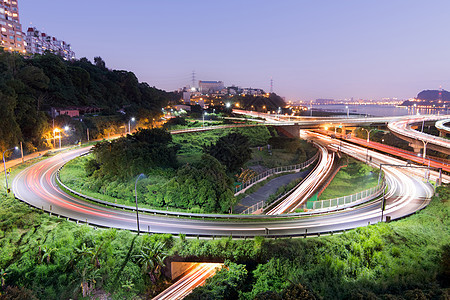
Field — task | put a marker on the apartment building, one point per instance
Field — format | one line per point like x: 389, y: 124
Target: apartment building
x: 12, y: 38
x: 38, y: 42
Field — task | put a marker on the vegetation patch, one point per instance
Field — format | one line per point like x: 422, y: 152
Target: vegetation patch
x: 50, y: 258
x: 351, y: 179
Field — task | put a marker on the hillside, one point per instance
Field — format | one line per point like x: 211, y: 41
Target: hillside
x: 429, y: 98
x: 29, y: 87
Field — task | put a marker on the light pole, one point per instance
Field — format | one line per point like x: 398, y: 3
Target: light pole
x: 368, y: 141
x: 129, y: 124
x: 204, y: 114
x: 55, y: 131
x: 368, y: 134
x: 424, y: 149
x: 4, y: 166
x: 347, y: 111
x: 135, y: 192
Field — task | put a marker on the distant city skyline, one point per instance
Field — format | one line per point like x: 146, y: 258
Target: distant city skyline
x: 311, y: 49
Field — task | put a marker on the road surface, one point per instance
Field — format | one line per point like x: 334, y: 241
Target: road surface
x: 36, y: 185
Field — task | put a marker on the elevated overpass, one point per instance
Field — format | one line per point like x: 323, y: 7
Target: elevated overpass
x: 443, y: 129
x: 293, y: 124
x: 399, y: 126
x: 419, y: 140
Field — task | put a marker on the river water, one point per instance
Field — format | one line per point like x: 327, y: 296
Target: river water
x: 377, y: 110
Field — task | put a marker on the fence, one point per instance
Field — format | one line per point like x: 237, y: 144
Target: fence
x: 350, y: 199
x: 330, y: 204
x: 277, y: 170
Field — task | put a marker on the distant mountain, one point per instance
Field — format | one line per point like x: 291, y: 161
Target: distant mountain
x: 433, y: 95
x: 429, y: 98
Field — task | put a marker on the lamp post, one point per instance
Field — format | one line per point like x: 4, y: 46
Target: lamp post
x: 129, y: 124
x: 135, y: 192
x: 55, y: 131
x: 368, y: 134
x: 204, y: 114
x: 424, y: 149
x: 368, y: 141
x: 4, y: 166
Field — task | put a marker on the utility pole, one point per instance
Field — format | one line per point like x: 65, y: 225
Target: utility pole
x: 21, y: 151
x: 53, y: 130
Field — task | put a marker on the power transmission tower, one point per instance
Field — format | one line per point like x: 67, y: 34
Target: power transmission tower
x: 193, y: 79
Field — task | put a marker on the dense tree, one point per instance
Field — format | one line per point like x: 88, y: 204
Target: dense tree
x: 151, y: 259
x: 232, y: 150
x: 260, y: 103
x: 30, y: 87
x: 134, y: 154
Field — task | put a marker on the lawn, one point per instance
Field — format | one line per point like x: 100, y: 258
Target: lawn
x: 354, y: 178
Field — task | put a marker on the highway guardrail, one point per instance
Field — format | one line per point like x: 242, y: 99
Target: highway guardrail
x: 346, y: 201
x: 278, y: 170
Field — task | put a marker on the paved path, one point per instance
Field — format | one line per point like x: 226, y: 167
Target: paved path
x: 266, y: 190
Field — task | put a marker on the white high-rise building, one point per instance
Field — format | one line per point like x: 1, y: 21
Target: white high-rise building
x: 12, y: 38
x: 38, y: 42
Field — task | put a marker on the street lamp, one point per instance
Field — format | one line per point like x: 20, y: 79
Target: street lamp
x: 204, y: 114
x: 368, y: 141
x: 135, y: 193
x: 55, y: 131
x: 129, y: 124
x: 368, y: 134
x: 424, y: 149
x: 4, y: 166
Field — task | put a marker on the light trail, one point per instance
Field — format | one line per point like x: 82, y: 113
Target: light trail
x: 403, y: 128
x: 36, y: 186
x: 308, y: 185
x: 195, y: 277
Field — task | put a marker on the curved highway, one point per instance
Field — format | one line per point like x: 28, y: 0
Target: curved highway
x: 308, y: 185
x: 440, y: 125
x: 36, y: 185
x: 403, y: 130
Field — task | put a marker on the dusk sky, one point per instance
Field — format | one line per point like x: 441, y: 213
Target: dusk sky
x: 311, y: 49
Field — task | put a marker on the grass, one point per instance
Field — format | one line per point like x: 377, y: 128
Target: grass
x: 354, y: 178
x: 279, y: 157
x: 405, y: 259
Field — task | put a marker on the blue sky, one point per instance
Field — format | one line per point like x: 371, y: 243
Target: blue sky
x: 311, y: 48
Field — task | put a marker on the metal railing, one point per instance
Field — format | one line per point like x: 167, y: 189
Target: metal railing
x: 328, y: 204
x: 250, y: 210
x: 278, y: 170
x: 346, y: 200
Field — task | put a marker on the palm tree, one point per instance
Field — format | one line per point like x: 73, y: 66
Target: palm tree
x: 47, y: 253
x: 87, y: 258
x: 151, y: 259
